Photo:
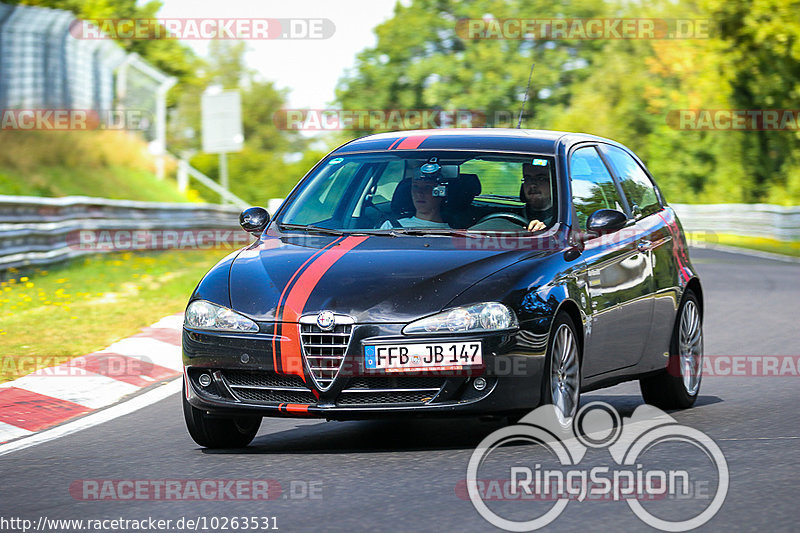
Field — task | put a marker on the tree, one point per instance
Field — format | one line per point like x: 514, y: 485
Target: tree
x: 425, y: 58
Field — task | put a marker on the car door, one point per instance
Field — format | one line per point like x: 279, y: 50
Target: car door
x: 655, y: 240
x: 618, y: 275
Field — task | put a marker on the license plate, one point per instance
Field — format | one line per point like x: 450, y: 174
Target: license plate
x: 421, y: 356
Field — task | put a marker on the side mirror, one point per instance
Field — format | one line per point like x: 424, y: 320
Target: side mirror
x: 606, y: 220
x: 254, y: 220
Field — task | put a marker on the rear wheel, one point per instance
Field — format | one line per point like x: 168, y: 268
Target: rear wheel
x: 677, y: 386
x: 561, y: 382
x: 213, y: 432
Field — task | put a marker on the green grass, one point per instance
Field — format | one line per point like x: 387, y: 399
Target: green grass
x: 48, y: 317
x: 115, y: 182
x: 790, y: 248
x: 104, y: 164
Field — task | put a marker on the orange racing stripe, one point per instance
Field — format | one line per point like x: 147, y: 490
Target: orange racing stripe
x: 291, y: 358
x: 412, y: 142
x: 278, y: 327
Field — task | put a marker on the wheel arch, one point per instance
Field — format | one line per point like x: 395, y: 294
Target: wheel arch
x: 694, y: 286
x: 570, y: 307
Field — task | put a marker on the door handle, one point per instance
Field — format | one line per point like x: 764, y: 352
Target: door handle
x: 644, y: 245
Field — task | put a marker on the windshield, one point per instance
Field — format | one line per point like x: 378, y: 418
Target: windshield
x: 430, y: 191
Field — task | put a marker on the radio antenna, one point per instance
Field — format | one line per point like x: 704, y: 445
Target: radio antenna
x: 525, y: 98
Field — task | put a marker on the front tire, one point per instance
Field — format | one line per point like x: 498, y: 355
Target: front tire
x: 213, y: 432
x: 677, y: 386
x: 561, y: 383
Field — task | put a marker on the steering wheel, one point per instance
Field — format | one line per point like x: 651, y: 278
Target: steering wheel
x: 511, y: 217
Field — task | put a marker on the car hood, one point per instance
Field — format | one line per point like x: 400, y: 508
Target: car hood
x: 371, y: 278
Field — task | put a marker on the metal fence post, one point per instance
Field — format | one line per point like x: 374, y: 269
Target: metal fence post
x: 183, y: 175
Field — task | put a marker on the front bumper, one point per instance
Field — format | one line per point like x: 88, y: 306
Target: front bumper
x: 245, y: 381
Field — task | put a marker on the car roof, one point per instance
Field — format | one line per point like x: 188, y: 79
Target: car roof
x: 488, y: 139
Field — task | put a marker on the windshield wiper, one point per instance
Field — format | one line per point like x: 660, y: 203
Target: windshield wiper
x: 431, y: 231
x: 311, y: 229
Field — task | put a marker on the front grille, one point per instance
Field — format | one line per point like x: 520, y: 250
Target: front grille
x: 382, y: 398
x: 268, y: 380
x: 268, y: 387
x: 324, y: 351
x: 276, y: 396
x: 382, y: 390
x: 395, y: 382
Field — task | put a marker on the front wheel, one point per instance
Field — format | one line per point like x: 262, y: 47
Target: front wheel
x: 677, y: 386
x: 213, y: 432
x: 561, y: 383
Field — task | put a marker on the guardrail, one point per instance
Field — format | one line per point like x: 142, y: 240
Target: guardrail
x: 37, y: 231
x: 749, y: 220
x: 40, y: 231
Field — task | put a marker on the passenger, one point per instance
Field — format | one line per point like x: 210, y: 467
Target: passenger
x: 428, y: 207
x: 536, y: 194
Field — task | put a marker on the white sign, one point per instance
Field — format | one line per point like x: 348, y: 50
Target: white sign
x: 222, y: 122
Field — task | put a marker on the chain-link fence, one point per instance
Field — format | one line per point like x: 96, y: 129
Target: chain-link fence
x: 44, y: 65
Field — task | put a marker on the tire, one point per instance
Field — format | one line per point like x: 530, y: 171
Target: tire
x: 213, y: 432
x: 677, y: 386
x: 561, y: 381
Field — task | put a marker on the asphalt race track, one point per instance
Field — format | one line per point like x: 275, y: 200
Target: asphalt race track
x: 402, y: 476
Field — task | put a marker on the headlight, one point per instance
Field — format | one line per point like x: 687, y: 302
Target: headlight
x: 205, y: 315
x: 490, y: 316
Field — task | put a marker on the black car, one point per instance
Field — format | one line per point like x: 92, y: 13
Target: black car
x: 449, y: 273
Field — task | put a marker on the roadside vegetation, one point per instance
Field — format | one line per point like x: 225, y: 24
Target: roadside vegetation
x: 761, y: 244
x: 739, y: 55
x: 53, y: 315
x: 105, y: 164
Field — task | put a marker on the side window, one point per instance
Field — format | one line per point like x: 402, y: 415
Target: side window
x: 635, y: 183
x: 593, y: 187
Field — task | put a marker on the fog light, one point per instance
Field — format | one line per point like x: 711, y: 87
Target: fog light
x: 479, y: 383
x: 204, y: 380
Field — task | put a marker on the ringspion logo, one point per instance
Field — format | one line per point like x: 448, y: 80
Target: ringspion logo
x: 541, y: 485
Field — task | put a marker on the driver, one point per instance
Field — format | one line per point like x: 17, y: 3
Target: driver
x: 536, y: 194
x: 428, y: 207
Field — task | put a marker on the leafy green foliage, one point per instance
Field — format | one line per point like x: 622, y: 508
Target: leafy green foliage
x: 260, y: 171
x: 273, y: 160
x: 624, y: 89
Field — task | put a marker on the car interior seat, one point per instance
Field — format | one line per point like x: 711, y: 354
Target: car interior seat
x: 402, y: 204
x: 460, y: 192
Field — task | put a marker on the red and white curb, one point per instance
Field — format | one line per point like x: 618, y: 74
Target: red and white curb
x: 51, y: 396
